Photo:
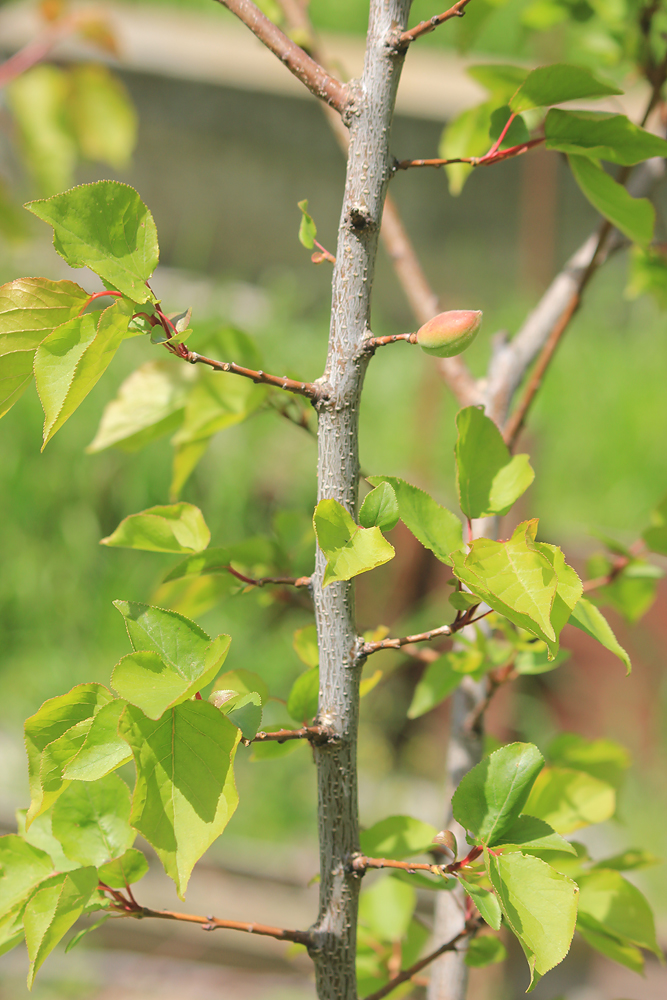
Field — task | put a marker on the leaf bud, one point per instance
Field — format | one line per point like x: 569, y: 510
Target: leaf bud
x: 449, y: 333
x: 447, y: 840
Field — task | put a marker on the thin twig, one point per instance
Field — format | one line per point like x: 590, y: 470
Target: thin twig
x: 367, y: 648
x: 262, y: 581
x: 314, y: 734
x: 212, y: 924
x: 470, y: 929
x: 373, y: 343
x: 308, y: 389
x: 493, y: 156
x: 310, y: 73
x: 360, y: 863
x: 425, y: 27
x: 516, y: 421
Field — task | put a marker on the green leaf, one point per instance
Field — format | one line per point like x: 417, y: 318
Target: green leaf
x: 618, y: 908
x: 73, y: 358
x: 625, y: 954
x: 397, y: 837
x: 16, y: 372
x: 32, y: 307
x: 102, y: 115
x: 633, y: 591
x: 38, y: 101
x: 434, y: 526
x: 569, y: 588
x: 145, y: 680
x: 40, y: 835
x: 54, y: 719
x: 467, y: 135
x: 483, y: 951
x: 179, y: 527
x: 531, y: 834
x: 516, y: 579
x: 22, y: 867
x: 441, y: 677
x: 568, y: 800
x: 307, y: 228
x: 104, y: 226
x: 305, y: 645
x: 539, y: 904
x: 102, y: 749
x: 629, y: 860
x: 535, y: 660
x: 243, y: 682
x: 215, y: 403
x: 656, y: 536
x: 90, y: 819
x: 380, y: 509
x: 185, y: 792
x: 485, y: 901
x: 350, y: 550
x: 590, y: 620
x: 150, y: 403
x: 74, y: 941
x: 212, y: 561
x: 500, y: 80
x: 387, y: 908
x: 181, y: 643
x: 604, y: 759
x: 52, y: 910
x: 303, y: 698
x: 601, y: 135
x: 245, y: 711
x: 557, y: 84
x: 130, y: 867
x: 635, y: 217
x: 490, y: 797
x: 488, y: 478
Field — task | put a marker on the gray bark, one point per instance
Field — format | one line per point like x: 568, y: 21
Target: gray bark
x: 368, y: 173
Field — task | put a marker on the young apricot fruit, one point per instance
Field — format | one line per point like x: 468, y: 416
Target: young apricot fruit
x: 449, y: 333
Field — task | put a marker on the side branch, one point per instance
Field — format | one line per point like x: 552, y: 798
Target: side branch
x: 461, y: 622
x: 470, y: 929
x: 493, y: 156
x: 213, y: 924
x: 308, y: 389
x: 374, y: 647
x: 314, y: 734
x: 310, y: 73
x: 262, y: 581
x: 426, y: 27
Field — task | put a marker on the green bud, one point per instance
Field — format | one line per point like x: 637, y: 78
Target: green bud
x: 449, y: 333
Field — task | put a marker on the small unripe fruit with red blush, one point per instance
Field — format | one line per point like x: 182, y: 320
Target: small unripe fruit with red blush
x: 449, y: 333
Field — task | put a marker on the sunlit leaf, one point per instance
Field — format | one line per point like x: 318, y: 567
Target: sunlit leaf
x: 635, y: 217
x: 350, y: 549
x: 434, y: 526
x: 179, y: 527
x: 185, y: 793
x: 490, y: 797
x: 104, y: 226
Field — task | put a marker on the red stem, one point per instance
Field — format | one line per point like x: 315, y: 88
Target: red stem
x: 98, y: 295
x: 496, y: 146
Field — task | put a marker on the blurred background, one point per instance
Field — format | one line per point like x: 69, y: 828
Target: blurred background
x: 227, y: 144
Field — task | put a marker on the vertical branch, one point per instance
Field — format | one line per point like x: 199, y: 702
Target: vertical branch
x: 368, y: 173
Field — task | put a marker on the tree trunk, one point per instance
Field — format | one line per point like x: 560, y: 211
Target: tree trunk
x: 368, y: 173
